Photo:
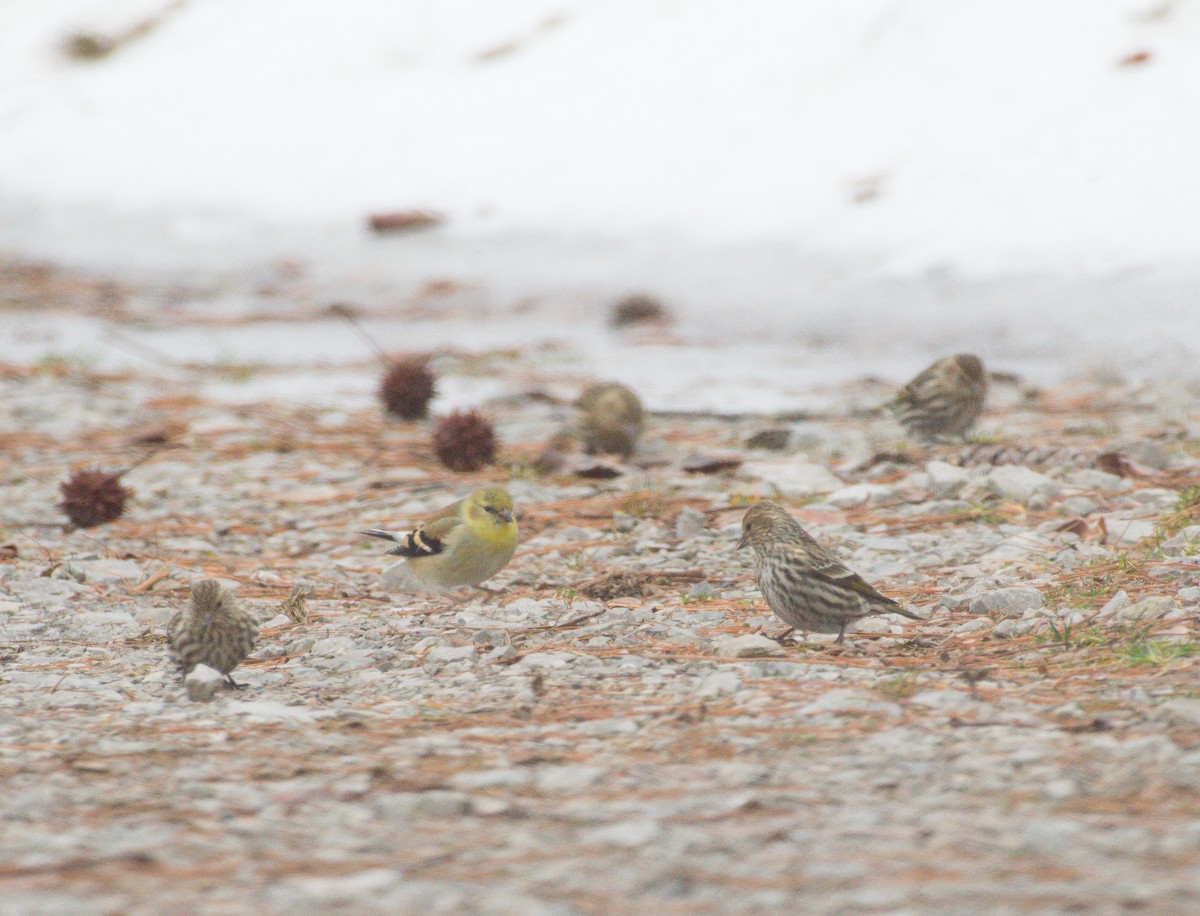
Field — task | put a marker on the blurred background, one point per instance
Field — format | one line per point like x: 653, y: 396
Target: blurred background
x: 816, y: 189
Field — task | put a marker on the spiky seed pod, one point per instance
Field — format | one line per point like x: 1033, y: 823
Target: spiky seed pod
x: 610, y: 418
x: 214, y: 630
x: 803, y: 583
x: 944, y: 400
x: 92, y: 497
x: 464, y: 441
x: 638, y: 309
x: 407, y: 387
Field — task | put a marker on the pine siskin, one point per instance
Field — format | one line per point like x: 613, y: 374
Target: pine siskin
x: 803, y: 583
x: 944, y: 400
x: 610, y: 418
x: 293, y: 604
x: 465, y: 543
x: 215, y: 631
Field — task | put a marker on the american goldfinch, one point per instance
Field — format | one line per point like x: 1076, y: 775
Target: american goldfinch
x: 944, y: 400
x: 465, y: 543
x: 215, y: 631
x: 610, y: 418
x: 803, y: 583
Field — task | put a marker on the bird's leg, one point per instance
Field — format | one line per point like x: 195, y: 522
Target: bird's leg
x: 230, y: 682
x: 788, y: 634
x: 841, y: 635
x: 491, y: 593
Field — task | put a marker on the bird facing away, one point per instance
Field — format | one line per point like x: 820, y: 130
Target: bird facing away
x: 610, y: 418
x: 944, y: 400
x: 465, y: 543
x: 214, y: 631
x: 803, y: 583
x: 294, y: 604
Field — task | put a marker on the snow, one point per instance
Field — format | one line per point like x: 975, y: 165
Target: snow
x: 872, y: 174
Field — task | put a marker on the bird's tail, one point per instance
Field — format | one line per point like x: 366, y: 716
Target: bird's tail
x: 905, y: 612
x: 381, y: 534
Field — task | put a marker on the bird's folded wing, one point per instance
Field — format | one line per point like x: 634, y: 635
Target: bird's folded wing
x: 432, y: 536
x: 834, y: 572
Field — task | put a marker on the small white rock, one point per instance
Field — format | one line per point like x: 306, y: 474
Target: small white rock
x: 202, y: 683
x: 945, y: 480
x: 752, y: 645
x: 1021, y: 484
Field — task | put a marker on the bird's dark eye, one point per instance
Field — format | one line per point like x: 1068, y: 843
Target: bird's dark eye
x: 491, y: 509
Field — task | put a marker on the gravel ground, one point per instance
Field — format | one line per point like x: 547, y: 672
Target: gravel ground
x: 617, y: 729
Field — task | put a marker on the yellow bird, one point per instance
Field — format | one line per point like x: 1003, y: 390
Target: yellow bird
x: 465, y: 543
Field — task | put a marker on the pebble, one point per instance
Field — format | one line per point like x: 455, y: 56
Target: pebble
x: 567, y: 780
x: 862, y: 494
x: 1021, y: 484
x: 850, y: 700
x: 1182, y: 711
x: 945, y: 480
x: 1155, y: 607
x: 794, y: 478
x: 752, y: 645
x: 1078, y: 506
x: 721, y: 682
x: 1184, y: 543
x: 689, y: 523
x: 627, y: 835
x: 1006, y: 601
x: 202, y: 683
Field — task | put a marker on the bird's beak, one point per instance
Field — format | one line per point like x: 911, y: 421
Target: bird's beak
x: 744, y: 542
x: 505, y: 516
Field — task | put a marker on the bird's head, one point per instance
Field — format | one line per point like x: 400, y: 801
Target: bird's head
x: 492, y: 503
x: 970, y: 366
x: 208, y: 597
x: 762, y: 523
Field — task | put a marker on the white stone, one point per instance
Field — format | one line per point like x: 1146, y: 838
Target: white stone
x: 627, y: 834
x: 1007, y: 601
x: 1127, y: 531
x: 1117, y: 602
x: 1185, y: 543
x: 881, y: 625
x: 848, y: 700
x: 947, y: 700
x: 689, y: 523
x: 1180, y: 711
x: 1020, y: 484
x: 724, y: 681
x: 104, y: 572
x: 794, y: 478
x: 202, y: 683
x: 1155, y: 607
x: 444, y: 654
x: 333, y: 645
x: 501, y: 778
x: 339, y: 890
x: 567, y: 779
x: 1059, y: 789
x: 945, y: 480
x: 861, y: 494
x: 752, y: 645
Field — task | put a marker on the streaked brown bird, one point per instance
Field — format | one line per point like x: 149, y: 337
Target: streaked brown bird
x: 804, y: 584
x: 945, y: 400
x: 294, y: 604
x: 610, y: 419
x: 214, y: 631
